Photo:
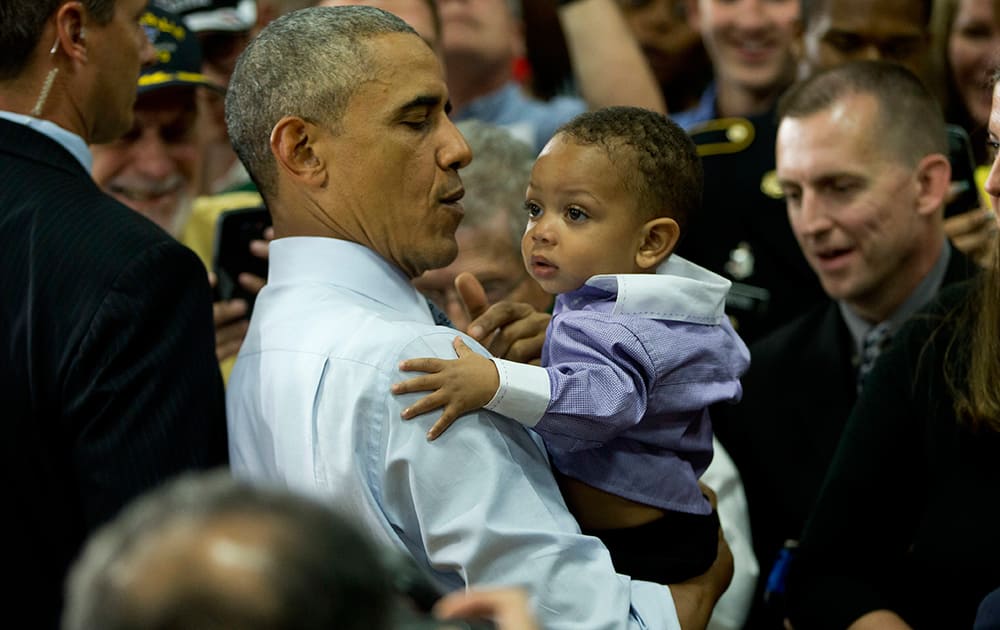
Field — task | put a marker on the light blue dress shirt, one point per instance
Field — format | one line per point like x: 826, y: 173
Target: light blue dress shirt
x: 309, y: 408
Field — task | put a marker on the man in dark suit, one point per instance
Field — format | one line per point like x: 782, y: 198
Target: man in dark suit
x: 861, y: 159
x: 108, y: 380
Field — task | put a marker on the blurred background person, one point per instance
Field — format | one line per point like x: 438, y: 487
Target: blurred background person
x: 966, y: 49
x: 223, y: 27
x: 750, y: 45
x: 422, y: 15
x: 671, y: 47
x: 155, y: 168
x: 837, y: 31
x: 482, y: 39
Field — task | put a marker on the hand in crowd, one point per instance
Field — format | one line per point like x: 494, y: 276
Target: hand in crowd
x: 509, y: 330
x: 973, y: 233
x: 508, y: 608
x: 229, y: 316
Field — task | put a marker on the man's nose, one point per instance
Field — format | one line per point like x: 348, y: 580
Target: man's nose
x: 813, y: 218
x: 454, y: 152
x: 152, y: 156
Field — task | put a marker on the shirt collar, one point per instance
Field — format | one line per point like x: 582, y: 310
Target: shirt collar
x: 924, y: 293
x: 704, y: 111
x: 679, y: 290
x: 67, y: 139
x: 351, y: 266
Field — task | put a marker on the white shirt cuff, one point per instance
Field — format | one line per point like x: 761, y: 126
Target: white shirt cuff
x: 523, y: 394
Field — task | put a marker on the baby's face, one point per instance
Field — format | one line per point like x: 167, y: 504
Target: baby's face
x: 581, y: 219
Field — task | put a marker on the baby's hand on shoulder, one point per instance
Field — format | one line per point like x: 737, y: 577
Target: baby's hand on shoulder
x: 458, y: 385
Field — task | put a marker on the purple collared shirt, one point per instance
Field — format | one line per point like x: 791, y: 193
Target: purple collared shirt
x: 633, y: 362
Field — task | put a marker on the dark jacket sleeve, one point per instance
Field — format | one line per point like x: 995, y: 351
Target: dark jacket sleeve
x: 855, y: 555
x: 144, y: 398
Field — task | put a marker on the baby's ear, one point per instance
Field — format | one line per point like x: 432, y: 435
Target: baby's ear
x: 659, y: 237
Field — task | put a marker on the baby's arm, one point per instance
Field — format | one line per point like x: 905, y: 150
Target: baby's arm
x: 459, y: 385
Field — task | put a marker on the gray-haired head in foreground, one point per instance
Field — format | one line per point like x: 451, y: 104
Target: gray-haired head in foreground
x: 308, y: 64
x: 910, y: 122
x: 209, y: 553
x: 496, y: 179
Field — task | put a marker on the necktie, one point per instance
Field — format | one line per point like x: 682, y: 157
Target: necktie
x: 440, y: 319
x: 874, y: 343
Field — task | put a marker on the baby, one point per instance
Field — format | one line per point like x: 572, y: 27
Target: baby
x: 637, y: 350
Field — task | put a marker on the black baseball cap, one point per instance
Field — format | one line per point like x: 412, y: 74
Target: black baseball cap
x: 178, y: 53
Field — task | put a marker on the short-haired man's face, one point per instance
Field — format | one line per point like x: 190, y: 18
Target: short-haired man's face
x: 484, y: 30
x: 393, y: 160
x: 852, y: 204
x: 115, y: 52
x: 582, y: 221
x: 750, y: 41
x: 154, y: 167
x: 847, y: 30
x: 485, y: 251
x: 416, y: 13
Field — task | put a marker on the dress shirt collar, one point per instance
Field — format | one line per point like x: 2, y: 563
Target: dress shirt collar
x: 320, y: 260
x: 679, y: 290
x: 67, y: 139
x: 924, y: 293
x: 704, y: 111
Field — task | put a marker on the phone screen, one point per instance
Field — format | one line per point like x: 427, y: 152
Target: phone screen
x: 963, y: 173
x: 234, y: 231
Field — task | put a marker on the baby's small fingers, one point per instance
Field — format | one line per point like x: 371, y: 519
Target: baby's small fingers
x: 421, y: 365
x: 426, y: 383
x: 445, y: 421
x: 422, y: 406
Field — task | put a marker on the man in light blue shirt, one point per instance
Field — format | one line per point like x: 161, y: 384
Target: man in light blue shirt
x: 340, y: 115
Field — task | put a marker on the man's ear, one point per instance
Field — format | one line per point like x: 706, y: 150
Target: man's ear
x: 70, y: 31
x: 934, y: 181
x: 293, y: 143
x: 659, y: 237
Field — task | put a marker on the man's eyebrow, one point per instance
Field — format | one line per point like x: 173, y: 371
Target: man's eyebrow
x: 422, y: 102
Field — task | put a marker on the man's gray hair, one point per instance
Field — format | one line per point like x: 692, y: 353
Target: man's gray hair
x: 207, y: 551
x: 497, y: 178
x: 308, y: 64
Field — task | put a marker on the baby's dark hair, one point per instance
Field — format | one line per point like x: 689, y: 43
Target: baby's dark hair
x: 655, y: 159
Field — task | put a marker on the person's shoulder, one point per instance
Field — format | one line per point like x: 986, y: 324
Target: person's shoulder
x: 797, y: 337
x: 939, y: 319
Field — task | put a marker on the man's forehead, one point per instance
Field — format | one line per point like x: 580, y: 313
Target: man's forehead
x: 406, y: 69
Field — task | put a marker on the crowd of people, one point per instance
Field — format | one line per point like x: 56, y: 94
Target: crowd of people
x: 576, y: 313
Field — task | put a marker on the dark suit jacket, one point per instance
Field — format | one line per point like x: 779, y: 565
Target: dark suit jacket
x: 108, y: 377
x: 797, y: 396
